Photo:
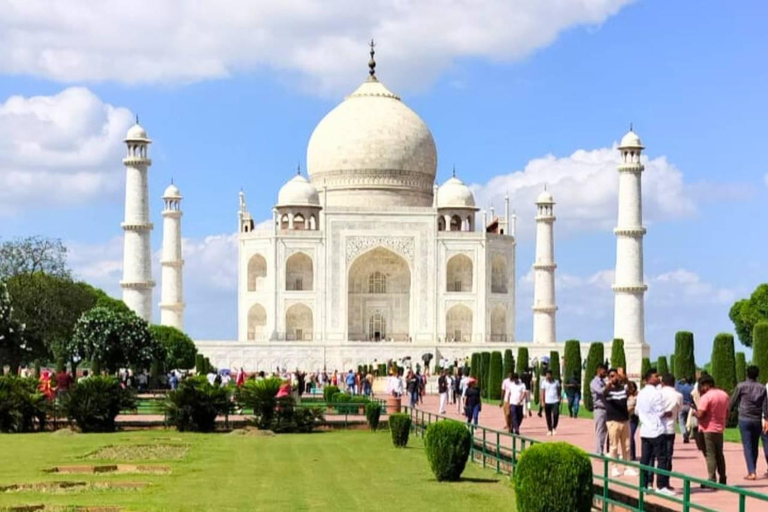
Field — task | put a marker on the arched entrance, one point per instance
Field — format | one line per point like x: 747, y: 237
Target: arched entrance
x: 379, y: 297
x: 298, y: 323
x: 458, y: 323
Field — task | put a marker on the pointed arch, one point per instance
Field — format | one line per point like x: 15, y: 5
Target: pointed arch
x: 257, y: 273
x: 299, y: 323
x: 299, y: 272
x: 458, y: 323
x: 458, y: 274
x: 499, y: 274
x: 257, y: 322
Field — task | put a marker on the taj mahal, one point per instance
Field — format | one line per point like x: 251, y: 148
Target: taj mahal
x: 367, y: 258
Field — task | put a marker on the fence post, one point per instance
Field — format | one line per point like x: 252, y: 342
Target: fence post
x: 605, y: 485
x: 686, y: 495
x: 484, y: 449
x: 498, y: 454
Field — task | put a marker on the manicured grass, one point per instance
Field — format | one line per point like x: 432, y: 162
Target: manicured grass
x: 340, y: 470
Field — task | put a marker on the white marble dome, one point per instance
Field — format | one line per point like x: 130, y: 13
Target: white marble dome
x: 631, y: 140
x: 172, y: 192
x: 545, y: 198
x: 372, y: 150
x: 298, y: 192
x: 455, y: 194
x: 137, y: 132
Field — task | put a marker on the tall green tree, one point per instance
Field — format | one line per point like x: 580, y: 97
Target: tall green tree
x: 554, y: 364
x: 741, y: 367
x: 618, y: 358
x: 662, y: 366
x: 180, y: 350
x: 572, y: 359
x: 685, y: 362
x: 32, y: 255
x: 760, y: 349
x: 672, y: 364
x: 13, y: 348
x: 644, y: 367
x: 494, y: 375
x: 474, y: 365
x: 746, y: 313
x: 724, y: 362
x: 485, y: 364
x: 509, y: 362
x: 595, y: 356
x: 522, y: 360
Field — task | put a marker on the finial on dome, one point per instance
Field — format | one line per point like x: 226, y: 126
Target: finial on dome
x: 171, y: 181
x: 137, y: 118
x: 372, y: 62
x: 298, y: 169
x: 454, y: 170
x: 630, y: 126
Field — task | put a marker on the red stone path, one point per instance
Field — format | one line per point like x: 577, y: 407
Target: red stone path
x: 687, y: 459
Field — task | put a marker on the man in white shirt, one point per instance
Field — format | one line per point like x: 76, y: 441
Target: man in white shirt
x: 650, y: 408
x: 517, y: 393
x: 505, y: 400
x: 550, y: 397
x: 673, y: 404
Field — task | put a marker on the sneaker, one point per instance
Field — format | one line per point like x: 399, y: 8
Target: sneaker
x: 666, y: 491
x: 615, y: 473
x: 554, y: 432
x: 630, y: 472
x: 549, y: 433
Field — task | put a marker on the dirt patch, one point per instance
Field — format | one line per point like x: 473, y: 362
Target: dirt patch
x: 65, y: 432
x: 139, y: 452
x: 111, y: 469
x: 58, y: 508
x: 251, y: 431
x: 69, y: 486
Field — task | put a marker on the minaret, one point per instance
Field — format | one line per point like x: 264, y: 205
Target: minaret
x: 137, y: 280
x: 629, y: 289
x: 172, y: 291
x: 544, y: 306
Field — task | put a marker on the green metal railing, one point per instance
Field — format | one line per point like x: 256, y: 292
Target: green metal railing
x: 501, y: 449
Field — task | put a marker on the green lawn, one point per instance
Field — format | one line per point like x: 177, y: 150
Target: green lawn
x: 340, y: 470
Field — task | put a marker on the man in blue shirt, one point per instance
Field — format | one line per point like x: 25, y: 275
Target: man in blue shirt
x: 685, y: 388
x: 351, y: 383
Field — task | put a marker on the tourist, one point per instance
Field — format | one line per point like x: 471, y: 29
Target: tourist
x: 673, y: 404
x: 240, y: 379
x: 573, y: 394
x: 211, y: 378
x: 173, y: 380
x: 712, y: 412
x: 527, y: 379
x: 422, y: 386
x: 451, y: 388
x: 684, y: 387
x: 518, y: 394
x: 597, y: 390
x: 650, y: 409
x: 617, y: 421
x: 550, y: 398
x: 750, y: 397
x: 442, y: 389
x: 143, y: 381
x: 462, y: 391
x: 63, y: 383
x: 83, y: 377
x: 368, y: 384
x: 505, y: 385
x: 412, y: 387
x: 474, y: 403
x: 634, y: 421
x: 350, y: 382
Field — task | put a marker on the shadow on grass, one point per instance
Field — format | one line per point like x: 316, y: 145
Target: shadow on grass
x: 479, y: 480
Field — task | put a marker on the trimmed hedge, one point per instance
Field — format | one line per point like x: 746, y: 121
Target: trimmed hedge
x: 760, y: 349
x: 447, y: 444
x: 618, y: 357
x: 553, y: 477
x: 95, y: 402
x: 474, y: 365
x: 537, y: 384
x: 328, y: 392
x: 400, y: 427
x: 522, y: 360
x: 485, y: 364
x: 572, y: 359
x: 372, y: 415
x: 672, y: 364
x: 595, y: 356
x: 685, y: 361
x: 554, y: 364
x: 662, y: 366
x: 494, y: 376
x: 724, y: 362
x: 644, y: 367
x: 741, y: 367
x: 509, y: 363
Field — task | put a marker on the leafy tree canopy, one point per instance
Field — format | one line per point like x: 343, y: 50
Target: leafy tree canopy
x: 180, y: 350
x: 746, y: 313
x: 31, y: 255
x: 13, y: 348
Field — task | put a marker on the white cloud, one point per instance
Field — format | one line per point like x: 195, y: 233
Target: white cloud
x: 179, y: 41
x: 585, y: 187
x: 61, y: 149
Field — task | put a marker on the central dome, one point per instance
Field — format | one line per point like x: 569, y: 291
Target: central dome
x: 372, y: 150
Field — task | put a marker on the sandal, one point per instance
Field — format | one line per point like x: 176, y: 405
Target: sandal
x: 752, y: 476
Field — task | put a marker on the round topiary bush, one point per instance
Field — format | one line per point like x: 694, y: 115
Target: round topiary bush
x: 372, y: 415
x: 94, y: 403
x: 553, y: 477
x: 400, y: 427
x: 328, y: 392
x: 447, y: 444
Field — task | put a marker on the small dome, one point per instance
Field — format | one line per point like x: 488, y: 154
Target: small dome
x: 631, y: 140
x: 137, y: 133
x: 172, y: 192
x: 298, y: 192
x: 545, y: 198
x: 455, y: 194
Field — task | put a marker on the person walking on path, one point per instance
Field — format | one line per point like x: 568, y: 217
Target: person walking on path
x: 751, y: 399
x: 505, y: 401
x: 597, y: 389
x: 617, y: 421
x: 573, y: 393
x: 685, y: 388
x: 412, y: 386
x: 712, y: 412
x: 442, y: 389
x: 634, y: 421
x: 673, y: 404
x: 650, y: 409
x: 550, y: 397
x: 474, y: 403
x: 517, y: 397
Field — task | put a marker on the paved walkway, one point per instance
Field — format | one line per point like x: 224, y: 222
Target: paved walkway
x: 687, y: 459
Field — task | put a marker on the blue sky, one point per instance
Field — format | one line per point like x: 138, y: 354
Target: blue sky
x: 515, y: 96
